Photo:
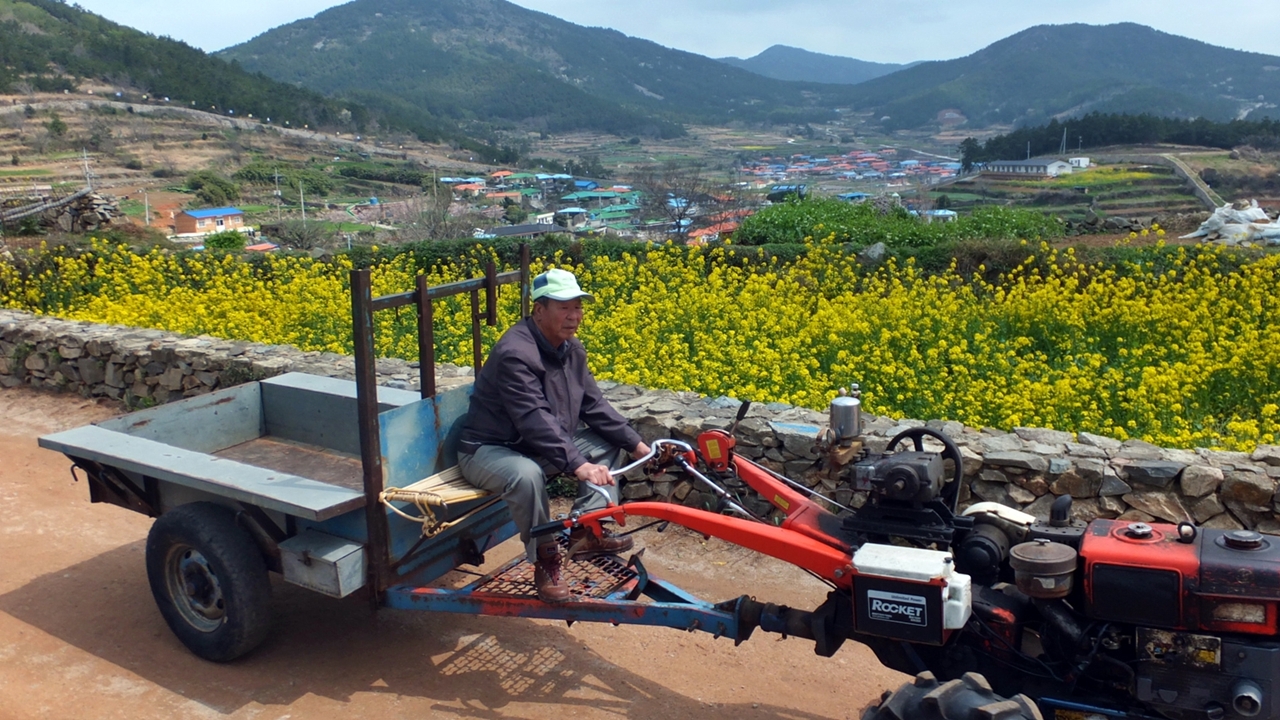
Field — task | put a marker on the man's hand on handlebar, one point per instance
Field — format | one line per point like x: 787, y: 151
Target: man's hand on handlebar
x: 594, y: 474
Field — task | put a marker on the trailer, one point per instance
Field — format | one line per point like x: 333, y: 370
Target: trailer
x: 339, y: 487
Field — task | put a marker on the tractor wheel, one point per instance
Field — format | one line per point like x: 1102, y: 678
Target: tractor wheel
x: 209, y: 580
x: 926, y: 699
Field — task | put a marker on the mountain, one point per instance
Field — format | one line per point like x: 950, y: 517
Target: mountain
x: 1067, y: 70
x: 492, y: 62
x: 48, y: 45
x: 782, y: 62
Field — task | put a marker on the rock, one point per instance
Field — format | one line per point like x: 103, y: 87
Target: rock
x: 797, y: 439
x: 682, y: 489
x: 1248, y: 488
x: 1015, y: 459
x: 34, y: 361
x: 1111, y: 505
x: 873, y: 255
x: 1019, y: 494
x: 1091, y: 469
x: 1112, y: 485
x: 1136, y: 516
x: 1222, y: 522
x: 1269, y: 454
x: 1138, y: 450
x: 1044, y: 435
x: 999, y: 443
x: 113, y: 376
x: 1156, y: 473
x: 91, y: 372
x: 1081, y: 450
x: 1207, y: 507
x: 1162, y: 505
x: 1270, y: 527
x: 1249, y: 515
x: 1039, y: 448
x: 1086, y: 510
x: 992, y: 475
x: 1182, y: 457
x: 1035, y: 484
x: 637, y: 490
x: 1057, y: 466
x: 1040, y: 508
x: 992, y: 492
x: 1200, y: 480
x: 971, y: 461
x: 171, y: 378
x: 1073, y: 484
x: 1098, y: 441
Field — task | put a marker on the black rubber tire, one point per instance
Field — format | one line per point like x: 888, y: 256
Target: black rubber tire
x: 209, y: 580
x: 968, y: 698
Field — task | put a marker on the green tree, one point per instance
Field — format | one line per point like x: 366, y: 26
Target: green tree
x: 226, y: 240
x: 56, y: 126
x: 514, y: 213
x: 970, y: 149
x: 212, y: 188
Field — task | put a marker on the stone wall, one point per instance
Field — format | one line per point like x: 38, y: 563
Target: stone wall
x: 1027, y: 468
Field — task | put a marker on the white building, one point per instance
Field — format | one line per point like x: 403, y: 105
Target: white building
x: 1041, y: 167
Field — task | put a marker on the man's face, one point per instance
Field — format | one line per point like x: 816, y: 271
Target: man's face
x: 558, y: 319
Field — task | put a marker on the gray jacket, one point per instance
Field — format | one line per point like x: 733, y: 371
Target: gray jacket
x: 531, y: 397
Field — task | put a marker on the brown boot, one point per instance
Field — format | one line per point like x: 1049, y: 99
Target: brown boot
x: 583, y: 545
x: 546, y: 575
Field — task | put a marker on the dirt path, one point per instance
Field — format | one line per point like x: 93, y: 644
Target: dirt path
x: 80, y: 636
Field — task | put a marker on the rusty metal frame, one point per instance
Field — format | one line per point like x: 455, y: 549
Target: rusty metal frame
x: 363, y: 307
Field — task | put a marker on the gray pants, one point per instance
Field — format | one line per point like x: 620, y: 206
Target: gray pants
x: 522, y: 482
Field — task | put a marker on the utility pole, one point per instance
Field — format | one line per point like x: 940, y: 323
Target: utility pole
x: 1028, y: 149
x: 88, y: 176
x: 146, y: 203
x: 278, y: 196
x: 302, y: 198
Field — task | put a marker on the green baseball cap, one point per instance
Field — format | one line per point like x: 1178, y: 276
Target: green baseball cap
x: 559, y: 285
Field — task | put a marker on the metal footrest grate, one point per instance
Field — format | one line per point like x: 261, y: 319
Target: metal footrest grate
x: 595, y: 578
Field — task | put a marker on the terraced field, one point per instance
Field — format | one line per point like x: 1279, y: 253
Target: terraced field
x: 1123, y: 190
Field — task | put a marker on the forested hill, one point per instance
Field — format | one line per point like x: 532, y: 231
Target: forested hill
x: 783, y: 62
x: 490, y: 60
x: 48, y: 45
x: 1068, y: 70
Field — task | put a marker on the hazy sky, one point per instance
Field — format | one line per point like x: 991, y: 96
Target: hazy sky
x: 893, y: 31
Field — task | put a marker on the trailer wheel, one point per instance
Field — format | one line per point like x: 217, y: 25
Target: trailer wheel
x: 209, y: 580
x: 926, y: 699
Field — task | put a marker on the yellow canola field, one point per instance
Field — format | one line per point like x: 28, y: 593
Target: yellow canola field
x: 1186, y: 355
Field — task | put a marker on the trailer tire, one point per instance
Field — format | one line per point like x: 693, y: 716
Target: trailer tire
x: 209, y: 580
x: 926, y: 699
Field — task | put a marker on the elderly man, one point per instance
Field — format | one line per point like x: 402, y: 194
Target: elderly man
x: 523, y: 427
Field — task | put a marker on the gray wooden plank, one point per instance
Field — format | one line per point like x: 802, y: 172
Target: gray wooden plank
x: 268, y: 489
x: 204, y: 423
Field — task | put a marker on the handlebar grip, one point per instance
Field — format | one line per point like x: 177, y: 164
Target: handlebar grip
x: 547, y: 528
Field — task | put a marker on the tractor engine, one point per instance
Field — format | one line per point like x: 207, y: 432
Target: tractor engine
x: 1204, y: 606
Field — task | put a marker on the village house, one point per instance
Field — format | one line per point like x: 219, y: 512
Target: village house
x: 192, y: 223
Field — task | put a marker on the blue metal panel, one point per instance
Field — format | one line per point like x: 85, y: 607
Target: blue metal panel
x: 683, y: 616
x: 414, y: 436
x: 486, y: 529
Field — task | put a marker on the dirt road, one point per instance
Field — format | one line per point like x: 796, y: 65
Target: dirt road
x: 81, y: 638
